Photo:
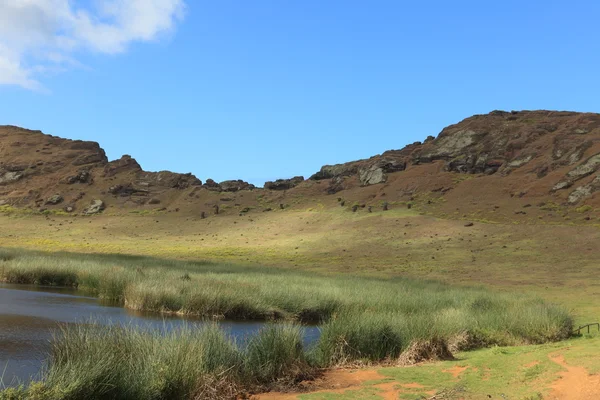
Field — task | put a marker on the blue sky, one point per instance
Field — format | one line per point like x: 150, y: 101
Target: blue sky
x: 264, y: 89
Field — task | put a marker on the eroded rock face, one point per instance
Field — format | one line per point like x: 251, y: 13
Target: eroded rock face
x: 588, y: 167
x: 451, y: 145
x: 584, y: 169
x: 331, y: 171
x: 284, y: 184
x: 371, y: 176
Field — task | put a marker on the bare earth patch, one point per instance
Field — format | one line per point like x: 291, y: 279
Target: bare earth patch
x: 339, y: 381
x: 575, y: 383
x: 531, y: 364
x: 456, y: 371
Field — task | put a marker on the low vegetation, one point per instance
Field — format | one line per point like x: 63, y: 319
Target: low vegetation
x: 362, y: 320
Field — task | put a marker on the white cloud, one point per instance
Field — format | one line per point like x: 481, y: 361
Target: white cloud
x: 42, y: 36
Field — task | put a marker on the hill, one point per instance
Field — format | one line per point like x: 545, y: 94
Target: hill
x: 486, y: 167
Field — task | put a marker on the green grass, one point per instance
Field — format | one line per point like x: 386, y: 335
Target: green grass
x: 524, y: 372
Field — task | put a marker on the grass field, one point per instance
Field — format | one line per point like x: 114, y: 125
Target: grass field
x: 557, y: 263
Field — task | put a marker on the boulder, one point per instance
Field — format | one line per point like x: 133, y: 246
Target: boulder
x: 562, y: 185
x: 520, y: 161
x: 53, y: 200
x: 15, y: 167
x: 10, y: 177
x: 82, y: 176
x: 284, y: 184
x: 95, y: 207
x: 585, y: 191
x: 126, y: 190
x: 588, y: 167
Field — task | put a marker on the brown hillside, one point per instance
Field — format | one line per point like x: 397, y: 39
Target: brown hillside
x: 503, y: 165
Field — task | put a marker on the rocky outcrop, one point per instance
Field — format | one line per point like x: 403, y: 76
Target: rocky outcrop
x: 284, y: 184
x: 94, y: 158
x: 128, y: 166
x: 499, y: 142
x: 227, y: 186
x: 124, y: 164
x: 541, y: 153
x: 235, y: 185
x: 370, y: 171
x: 168, y: 179
x: 211, y: 185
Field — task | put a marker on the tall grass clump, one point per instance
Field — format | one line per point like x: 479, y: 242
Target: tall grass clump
x: 354, y: 336
x: 87, y: 362
x: 276, y: 352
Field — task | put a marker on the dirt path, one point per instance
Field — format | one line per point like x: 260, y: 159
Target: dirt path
x: 339, y: 381
x: 575, y: 383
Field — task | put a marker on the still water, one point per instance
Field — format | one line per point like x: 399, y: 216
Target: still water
x: 29, y: 314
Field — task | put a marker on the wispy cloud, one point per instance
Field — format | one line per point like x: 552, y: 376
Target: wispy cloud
x: 42, y: 36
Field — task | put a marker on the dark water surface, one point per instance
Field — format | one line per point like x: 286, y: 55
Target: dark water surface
x: 29, y: 314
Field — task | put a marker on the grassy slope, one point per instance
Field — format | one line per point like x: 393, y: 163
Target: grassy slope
x: 558, y: 262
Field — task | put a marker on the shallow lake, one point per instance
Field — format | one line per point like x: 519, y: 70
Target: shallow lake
x: 29, y: 314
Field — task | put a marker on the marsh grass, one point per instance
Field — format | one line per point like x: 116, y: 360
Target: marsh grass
x: 363, y: 319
